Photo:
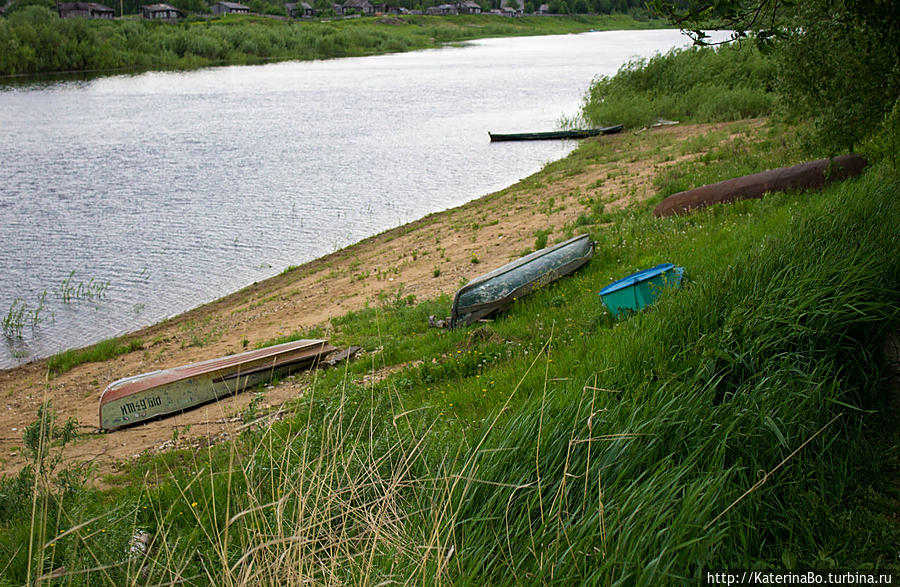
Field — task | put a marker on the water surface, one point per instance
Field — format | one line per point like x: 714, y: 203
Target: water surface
x: 177, y: 188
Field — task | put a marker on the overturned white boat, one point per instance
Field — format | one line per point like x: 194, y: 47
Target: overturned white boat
x: 147, y: 396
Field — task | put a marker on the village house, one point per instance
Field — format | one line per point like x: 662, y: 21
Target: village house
x: 442, y: 10
x: 468, y: 7
x: 229, y: 8
x: 160, y: 12
x: 84, y: 10
x: 517, y: 6
x: 363, y: 7
x: 385, y: 8
x: 299, y: 10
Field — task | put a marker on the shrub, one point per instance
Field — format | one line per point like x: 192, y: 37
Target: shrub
x: 697, y: 84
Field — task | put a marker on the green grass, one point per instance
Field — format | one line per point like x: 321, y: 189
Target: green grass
x: 742, y: 422
x: 554, y: 444
x: 102, y: 351
x: 777, y: 333
x: 35, y: 40
x: 732, y: 158
x: 688, y: 85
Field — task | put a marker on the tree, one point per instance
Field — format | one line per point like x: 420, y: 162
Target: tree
x: 21, y: 4
x: 842, y: 68
x: 839, y: 59
x: 602, y: 6
x: 764, y: 17
x: 558, y: 7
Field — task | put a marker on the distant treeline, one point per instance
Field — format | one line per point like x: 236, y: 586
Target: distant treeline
x: 324, y: 7
x: 33, y: 39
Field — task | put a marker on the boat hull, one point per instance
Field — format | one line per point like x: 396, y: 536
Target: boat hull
x: 811, y: 175
x: 144, y: 397
x: 554, y: 135
x: 494, y: 291
x: 640, y: 290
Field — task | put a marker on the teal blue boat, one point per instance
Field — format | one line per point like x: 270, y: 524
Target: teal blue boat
x: 493, y: 291
x: 639, y: 290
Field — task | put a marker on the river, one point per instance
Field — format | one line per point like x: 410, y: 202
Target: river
x: 126, y: 199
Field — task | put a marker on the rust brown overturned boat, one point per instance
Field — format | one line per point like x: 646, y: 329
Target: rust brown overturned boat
x: 812, y: 175
x: 147, y: 396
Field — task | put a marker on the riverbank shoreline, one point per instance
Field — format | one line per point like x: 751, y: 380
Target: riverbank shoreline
x: 427, y: 258
x: 119, y: 47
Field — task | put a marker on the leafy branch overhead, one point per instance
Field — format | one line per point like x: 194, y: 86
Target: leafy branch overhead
x: 838, y: 60
x: 764, y: 18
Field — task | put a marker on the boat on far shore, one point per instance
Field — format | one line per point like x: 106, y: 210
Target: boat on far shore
x: 555, y: 134
x: 147, y: 396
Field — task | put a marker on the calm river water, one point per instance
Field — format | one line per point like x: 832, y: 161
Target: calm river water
x: 162, y: 191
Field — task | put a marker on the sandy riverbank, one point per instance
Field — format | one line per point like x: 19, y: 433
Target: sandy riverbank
x: 426, y: 258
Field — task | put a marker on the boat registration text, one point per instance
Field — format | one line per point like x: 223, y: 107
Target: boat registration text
x: 140, y: 405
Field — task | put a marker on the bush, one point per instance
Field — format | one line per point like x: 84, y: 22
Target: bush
x: 18, y: 5
x: 698, y: 85
x: 885, y: 142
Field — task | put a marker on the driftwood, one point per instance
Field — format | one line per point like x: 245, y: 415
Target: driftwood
x: 814, y: 174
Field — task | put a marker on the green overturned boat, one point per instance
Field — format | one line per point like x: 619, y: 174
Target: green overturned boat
x: 494, y: 291
x: 555, y: 134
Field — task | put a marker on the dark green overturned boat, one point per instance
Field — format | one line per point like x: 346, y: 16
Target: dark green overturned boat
x: 495, y: 290
x: 556, y: 134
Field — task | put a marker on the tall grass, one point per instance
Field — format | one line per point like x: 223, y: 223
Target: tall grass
x: 620, y: 473
x: 738, y: 423
x: 690, y: 85
x: 320, y: 498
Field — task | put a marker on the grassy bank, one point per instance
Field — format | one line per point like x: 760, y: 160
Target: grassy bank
x: 554, y: 444
x: 102, y: 351
x: 699, y: 84
x: 744, y: 421
x: 34, y: 40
